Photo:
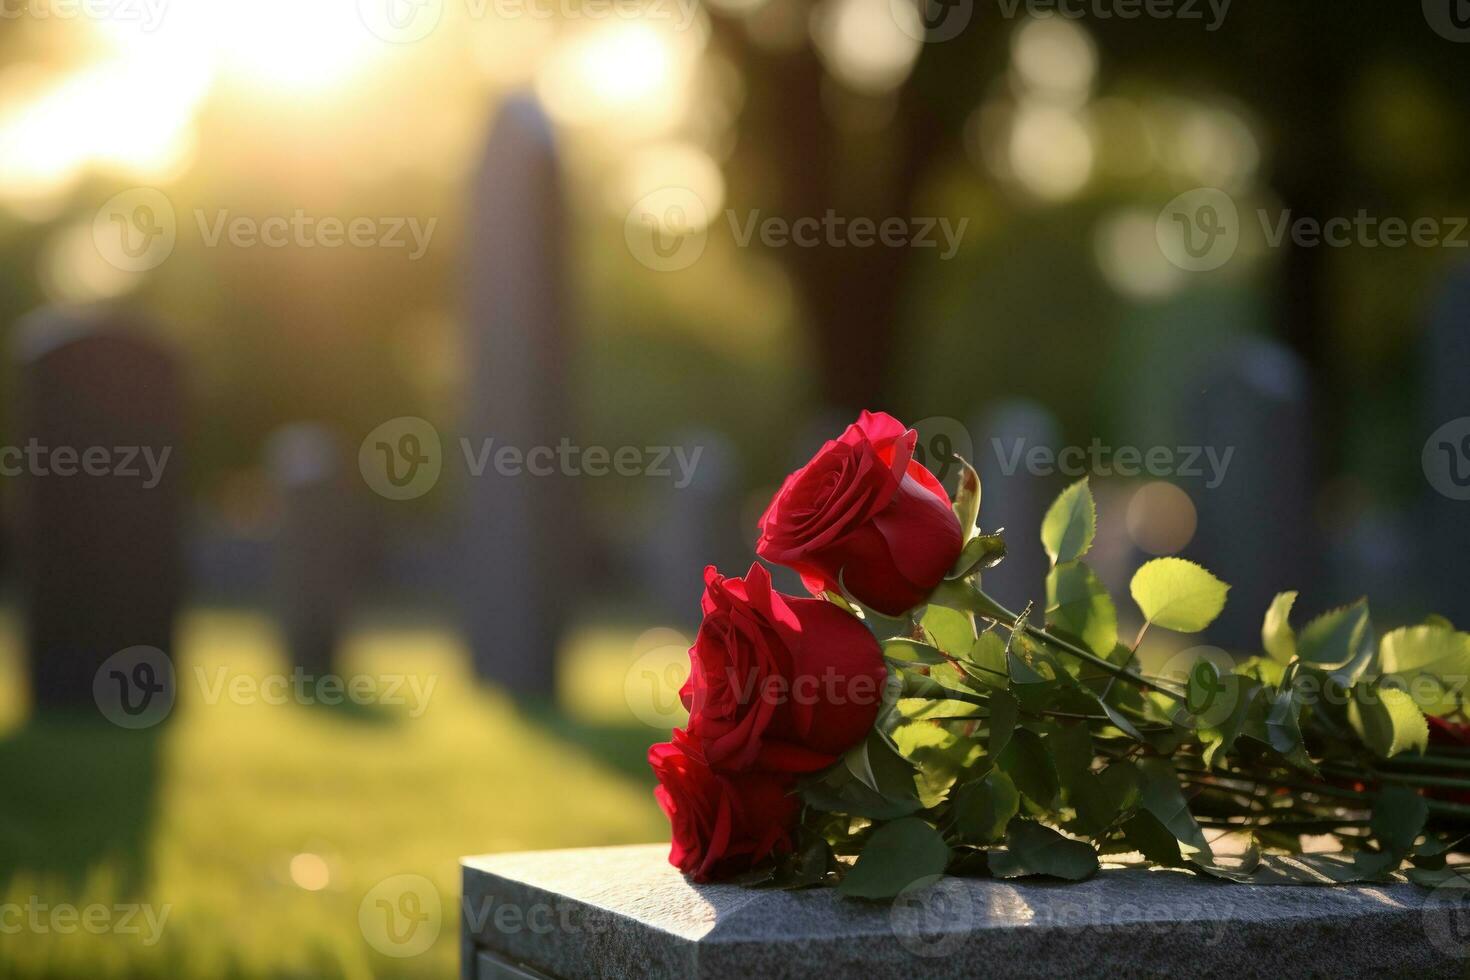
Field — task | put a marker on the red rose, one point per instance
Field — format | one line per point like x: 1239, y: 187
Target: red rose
x: 1443, y: 732
x: 1448, y: 733
x: 778, y: 682
x: 865, y: 511
x: 723, y: 823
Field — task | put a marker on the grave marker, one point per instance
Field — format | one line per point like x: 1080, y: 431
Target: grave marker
x: 100, y: 418
x: 1256, y: 529
x: 1446, y: 453
x: 315, y: 557
x: 624, y: 912
x: 522, y: 533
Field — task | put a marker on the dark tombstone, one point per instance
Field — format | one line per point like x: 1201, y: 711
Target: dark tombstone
x: 100, y: 429
x: 1446, y: 451
x: 695, y: 525
x: 1016, y: 443
x: 1256, y: 523
x: 522, y: 529
x: 315, y: 557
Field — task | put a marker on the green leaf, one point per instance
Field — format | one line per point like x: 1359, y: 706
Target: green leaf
x: 927, y: 709
x: 1146, y: 834
x: 1275, y: 721
x: 1070, y: 524
x: 896, y: 856
x: 1071, y: 751
x: 1162, y: 797
x: 1077, y: 602
x: 983, y: 808
x: 1120, y: 721
x: 1339, y: 642
x: 1030, y: 767
x: 1432, y: 663
x: 1203, y: 687
x: 1276, y: 632
x: 837, y: 791
x: 841, y: 602
x: 912, y: 651
x: 939, y: 757
x: 917, y: 685
x: 879, y: 767
x: 1033, y: 674
x: 1005, y: 712
x: 1457, y: 878
x: 980, y: 552
x: 1220, y: 739
x: 1034, y: 849
x: 1099, y: 799
x: 953, y: 631
x: 1177, y: 594
x: 988, y: 656
x: 1388, y: 720
x: 1398, y: 819
x: 967, y: 498
x: 808, y: 866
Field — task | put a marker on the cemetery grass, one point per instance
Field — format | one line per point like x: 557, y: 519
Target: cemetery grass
x: 205, y: 814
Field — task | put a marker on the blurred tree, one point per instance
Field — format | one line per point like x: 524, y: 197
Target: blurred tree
x: 1300, y: 69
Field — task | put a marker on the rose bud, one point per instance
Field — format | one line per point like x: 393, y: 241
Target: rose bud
x: 865, y: 516
x: 778, y: 682
x: 723, y: 823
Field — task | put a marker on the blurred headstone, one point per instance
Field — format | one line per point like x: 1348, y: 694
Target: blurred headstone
x: 522, y: 529
x: 1256, y: 525
x: 97, y: 453
x: 1016, y: 443
x: 1446, y: 454
x: 316, y: 559
x: 696, y: 525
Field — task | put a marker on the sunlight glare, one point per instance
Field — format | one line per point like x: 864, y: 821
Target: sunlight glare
x: 296, y: 47
x: 630, y: 74
x: 129, y: 117
x: 863, y: 44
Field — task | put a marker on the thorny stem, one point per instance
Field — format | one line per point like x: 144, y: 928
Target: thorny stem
x: 1000, y: 614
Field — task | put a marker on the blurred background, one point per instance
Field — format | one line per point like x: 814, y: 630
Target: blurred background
x: 379, y: 377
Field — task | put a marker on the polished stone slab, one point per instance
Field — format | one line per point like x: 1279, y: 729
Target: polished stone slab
x: 623, y: 912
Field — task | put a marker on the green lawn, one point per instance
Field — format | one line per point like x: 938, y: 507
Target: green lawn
x: 259, y: 829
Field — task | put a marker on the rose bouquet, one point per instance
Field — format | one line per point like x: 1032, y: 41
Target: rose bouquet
x: 901, y: 724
